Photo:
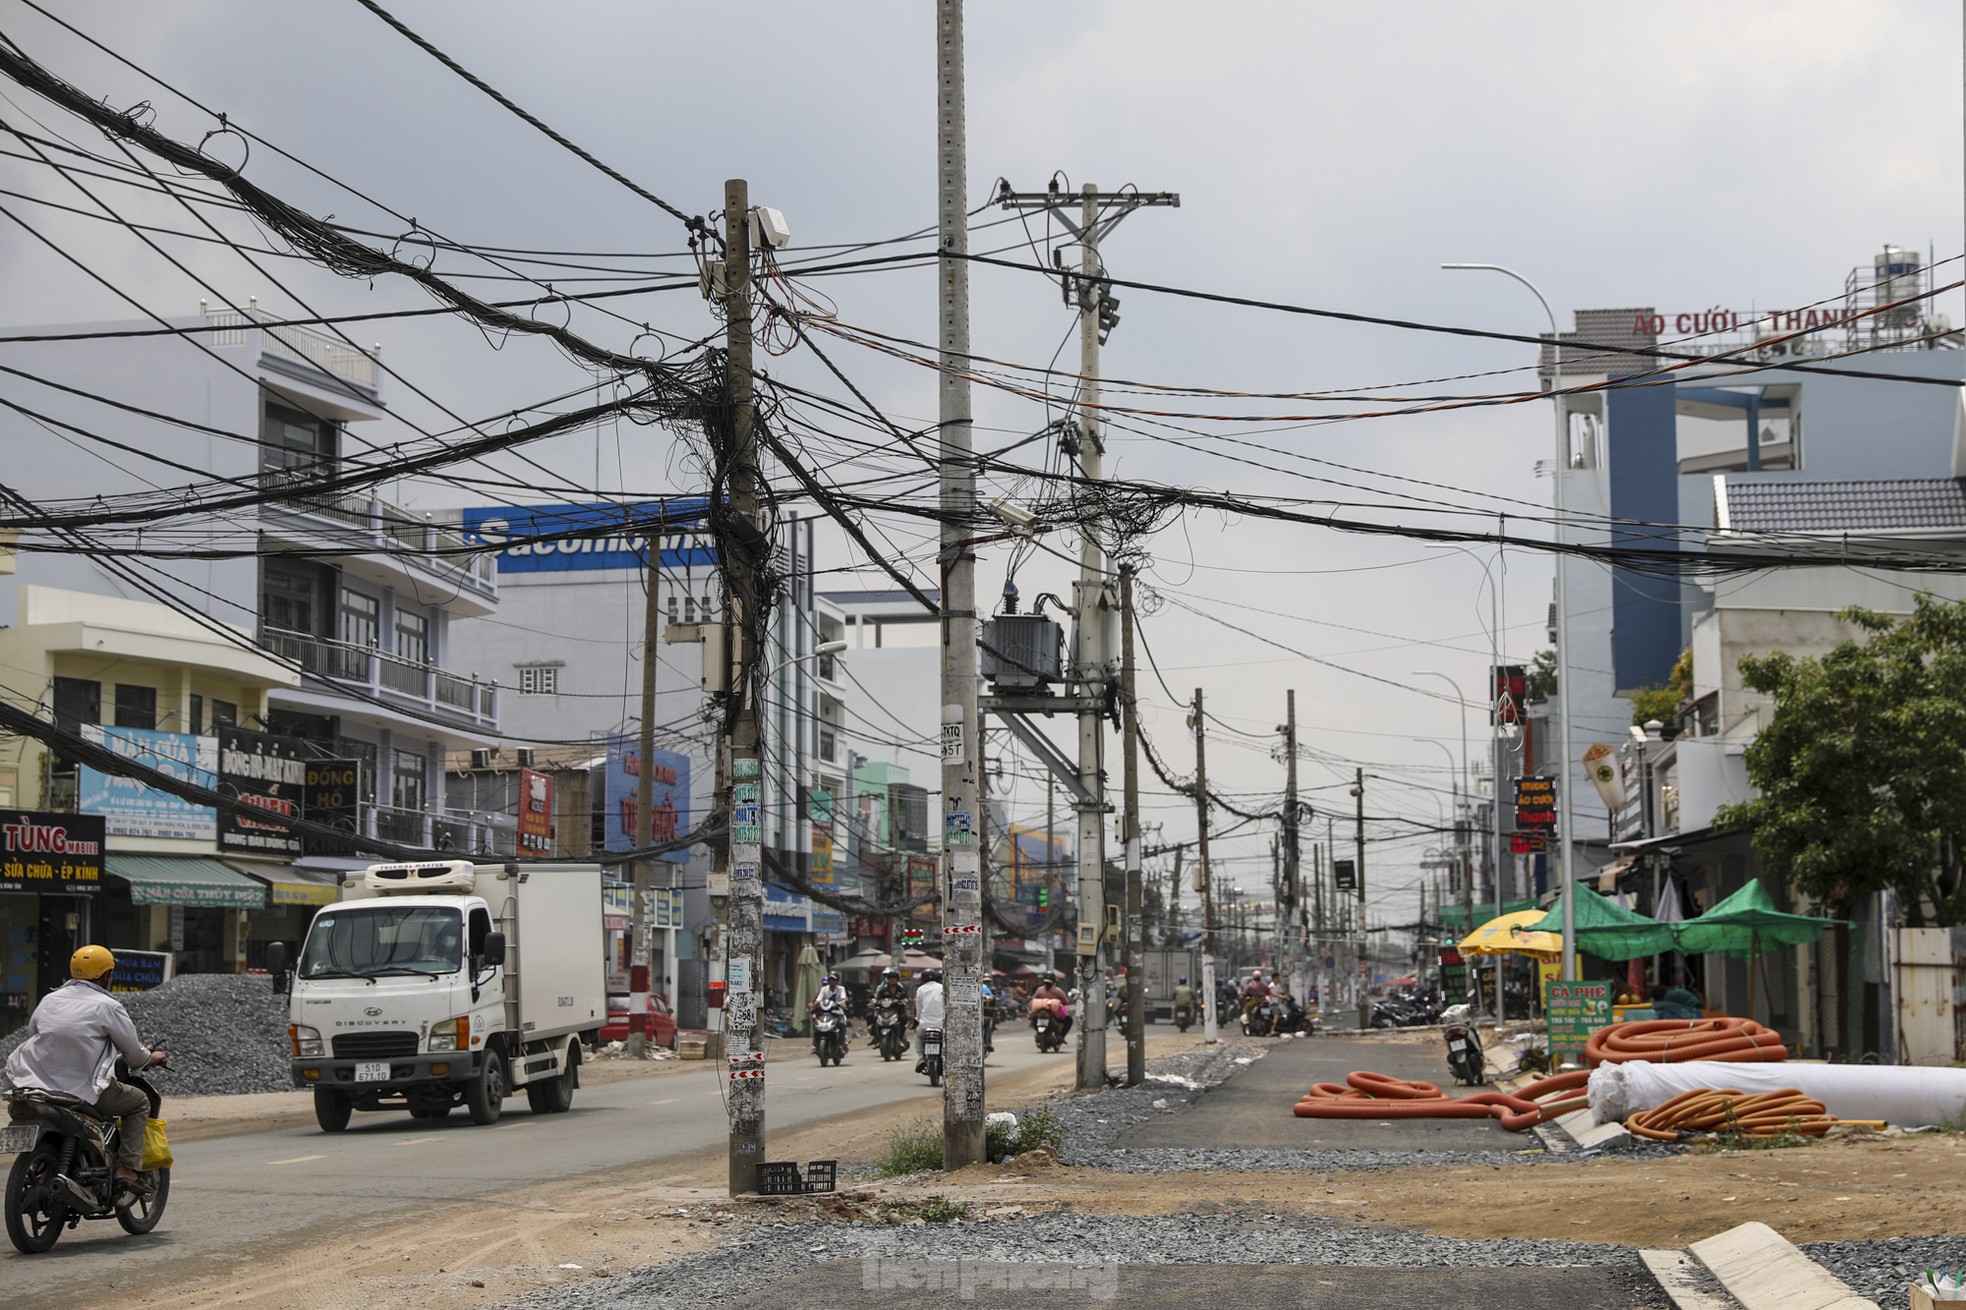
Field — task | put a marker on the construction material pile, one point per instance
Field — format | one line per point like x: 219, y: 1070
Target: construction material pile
x: 1783, y: 1113
x: 226, y: 1034
x: 1368, y: 1095
x: 1680, y: 1041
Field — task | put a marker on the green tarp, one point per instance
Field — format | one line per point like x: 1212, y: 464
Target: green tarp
x: 1453, y: 916
x: 1747, y: 923
x: 1607, y: 929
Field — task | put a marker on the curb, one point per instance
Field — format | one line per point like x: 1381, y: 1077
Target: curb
x: 1680, y: 1276
x: 1763, y: 1270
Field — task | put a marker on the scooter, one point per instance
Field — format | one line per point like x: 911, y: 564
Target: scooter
x: 932, y: 1055
x: 65, y: 1171
x: 1184, y: 1016
x: 829, y: 1035
x: 891, y: 1029
x: 1048, y: 1025
x: 1465, y: 1058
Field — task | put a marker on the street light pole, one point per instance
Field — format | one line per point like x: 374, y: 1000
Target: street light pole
x: 1563, y: 687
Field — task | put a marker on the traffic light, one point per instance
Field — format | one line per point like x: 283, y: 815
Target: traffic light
x: 1044, y: 898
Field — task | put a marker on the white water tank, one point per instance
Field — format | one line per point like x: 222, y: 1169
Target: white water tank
x: 1898, y: 273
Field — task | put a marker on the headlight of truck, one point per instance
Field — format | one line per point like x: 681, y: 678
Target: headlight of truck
x: 306, y: 1041
x: 452, y: 1035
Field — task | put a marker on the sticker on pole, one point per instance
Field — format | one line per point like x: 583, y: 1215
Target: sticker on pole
x: 741, y: 1011
x: 745, y: 793
x: 956, y: 830
x: 955, y: 743
x: 744, y: 768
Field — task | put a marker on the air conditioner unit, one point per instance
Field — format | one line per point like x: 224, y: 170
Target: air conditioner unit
x: 481, y: 759
x: 525, y: 756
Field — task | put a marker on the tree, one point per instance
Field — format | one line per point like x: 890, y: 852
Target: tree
x: 1862, y: 765
x: 1662, y: 703
x: 1539, y: 683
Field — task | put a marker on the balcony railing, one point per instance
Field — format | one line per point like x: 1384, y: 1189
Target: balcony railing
x: 389, y: 529
x: 299, y: 345
x: 359, y: 668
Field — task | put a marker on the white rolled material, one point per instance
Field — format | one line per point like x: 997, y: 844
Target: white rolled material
x: 1906, y: 1095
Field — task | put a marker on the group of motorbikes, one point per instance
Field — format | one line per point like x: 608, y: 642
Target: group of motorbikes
x: 1409, y: 1009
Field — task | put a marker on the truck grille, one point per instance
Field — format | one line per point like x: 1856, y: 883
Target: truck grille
x: 373, y: 1046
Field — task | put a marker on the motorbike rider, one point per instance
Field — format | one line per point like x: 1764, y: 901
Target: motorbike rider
x: 1048, y: 990
x: 989, y: 1016
x: 889, y: 988
x: 831, y: 996
x: 928, y: 1009
x: 1184, y: 997
x: 74, y: 1037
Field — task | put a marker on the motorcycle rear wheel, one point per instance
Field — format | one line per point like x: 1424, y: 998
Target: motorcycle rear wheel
x: 143, y: 1216
x: 33, y: 1231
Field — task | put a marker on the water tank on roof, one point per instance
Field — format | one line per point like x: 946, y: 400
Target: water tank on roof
x: 1898, y: 274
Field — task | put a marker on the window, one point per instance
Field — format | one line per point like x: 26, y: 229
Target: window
x: 364, y: 754
x: 407, y: 792
x: 359, y: 624
x: 412, y: 637
x: 197, y: 715
x: 296, y: 441
x: 539, y: 680
x: 287, y: 598
x: 136, y: 707
x: 77, y: 701
x: 225, y: 713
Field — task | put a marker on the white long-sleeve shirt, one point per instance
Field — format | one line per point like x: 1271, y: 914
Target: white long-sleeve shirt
x: 72, y: 1042
x: 928, y: 1005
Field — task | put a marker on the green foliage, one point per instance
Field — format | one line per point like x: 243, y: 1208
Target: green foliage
x: 1035, y: 1128
x: 1539, y: 682
x: 911, y: 1149
x: 941, y: 1210
x: 1662, y: 703
x: 1862, y: 765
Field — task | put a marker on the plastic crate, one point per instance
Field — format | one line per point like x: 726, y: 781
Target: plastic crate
x: 780, y: 1179
x: 821, y: 1175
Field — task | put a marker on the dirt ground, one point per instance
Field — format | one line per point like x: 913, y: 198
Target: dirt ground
x: 1860, y: 1186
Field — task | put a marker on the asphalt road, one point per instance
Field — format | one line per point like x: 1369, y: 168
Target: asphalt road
x: 231, y: 1194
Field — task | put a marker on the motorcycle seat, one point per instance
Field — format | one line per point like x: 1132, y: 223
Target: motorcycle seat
x: 38, y: 1103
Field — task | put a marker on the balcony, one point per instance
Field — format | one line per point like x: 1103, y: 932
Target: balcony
x: 421, y: 687
x: 381, y: 542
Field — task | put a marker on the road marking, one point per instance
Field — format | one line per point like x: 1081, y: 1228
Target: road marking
x: 668, y: 1100
x: 415, y: 1141
x: 299, y: 1159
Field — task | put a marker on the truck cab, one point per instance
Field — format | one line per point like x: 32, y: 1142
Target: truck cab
x: 444, y: 983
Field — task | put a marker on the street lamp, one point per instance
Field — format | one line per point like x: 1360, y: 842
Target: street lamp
x: 1563, y: 687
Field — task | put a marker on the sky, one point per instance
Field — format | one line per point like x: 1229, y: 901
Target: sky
x: 1675, y: 155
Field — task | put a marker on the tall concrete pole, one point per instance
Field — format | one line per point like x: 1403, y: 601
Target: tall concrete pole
x: 743, y: 547
x: 1364, y: 956
x: 1292, y: 883
x: 1203, y: 869
x: 1136, y: 955
x: 962, y: 744
x: 638, y: 965
x: 1090, y: 657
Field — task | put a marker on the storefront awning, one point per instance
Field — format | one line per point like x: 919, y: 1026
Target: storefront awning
x: 287, y: 885
x: 189, y: 880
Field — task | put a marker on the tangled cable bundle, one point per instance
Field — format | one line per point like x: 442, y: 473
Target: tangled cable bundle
x: 1368, y: 1095
x: 1765, y: 1114
x: 1675, y: 1041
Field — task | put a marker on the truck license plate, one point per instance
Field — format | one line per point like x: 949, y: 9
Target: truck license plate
x: 18, y: 1137
x: 372, y: 1073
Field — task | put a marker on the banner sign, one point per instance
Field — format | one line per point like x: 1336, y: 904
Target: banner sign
x: 669, y: 795
x: 139, y: 971
x: 1575, y: 1010
x: 132, y: 809
x: 536, y: 813
x: 821, y: 866
x: 592, y: 538
x: 331, y: 793
x: 1535, y: 802
x: 1344, y: 875
x: 46, y: 852
x: 922, y: 883
x: 268, y: 773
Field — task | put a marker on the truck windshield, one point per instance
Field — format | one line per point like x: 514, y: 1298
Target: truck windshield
x: 373, y: 940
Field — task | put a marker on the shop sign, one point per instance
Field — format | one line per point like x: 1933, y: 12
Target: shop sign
x: 821, y: 866
x: 132, y: 809
x: 1575, y: 1010
x: 1535, y: 802
x: 535, y: 813
x: 268, y: 773
x: 47, y: 852
x: 331, y: 793
x: 139, y: 971
x: 668, y: 792
x: 1344, y: 875
x: 592, y: 538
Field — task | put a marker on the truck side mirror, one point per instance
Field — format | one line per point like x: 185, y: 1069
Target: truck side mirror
x: 276, y: 964
x: 494, y: 952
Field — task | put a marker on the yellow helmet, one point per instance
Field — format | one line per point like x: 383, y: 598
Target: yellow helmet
x: 91, y: 962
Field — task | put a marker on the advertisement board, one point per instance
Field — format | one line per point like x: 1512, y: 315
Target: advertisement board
x: 46, y: 852
x: 139, y: 971
x: 921, y: 885
x: 536, y: 813
x: 1535, y: 803
x: 131, y: 809
x: 268, y: 773
x: 669, y: 797
x: 332, y: 794
x: 1576, y: 1010
x: 592, y: 538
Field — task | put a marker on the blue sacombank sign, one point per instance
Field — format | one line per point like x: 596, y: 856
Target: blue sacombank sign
x: 592, y: 538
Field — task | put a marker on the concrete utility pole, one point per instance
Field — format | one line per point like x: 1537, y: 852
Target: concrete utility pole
x: 1202, y: 870
x: 1136, y: 955
x: 741, y: 782
x: 1093, y: 602
x: 962, y: 746
x: 638, y: 966
x: 1292, y: 889
x: 1364, y: 972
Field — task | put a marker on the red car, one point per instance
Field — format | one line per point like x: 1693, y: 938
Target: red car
x: 616, y: 1028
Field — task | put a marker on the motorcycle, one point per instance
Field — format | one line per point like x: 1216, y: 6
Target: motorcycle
x: 66, y: 1169
x: 932, y: 1055
x: 891, y: 1029
x: 1263, y: 1018
x: 1048, y: 1024
x: 829, y: 1035
x: 1465, y: 1058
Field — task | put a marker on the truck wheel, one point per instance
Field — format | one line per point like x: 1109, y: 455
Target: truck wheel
x: 331, y: 1109
x: 485, y: 1095
x: 554, y: 1095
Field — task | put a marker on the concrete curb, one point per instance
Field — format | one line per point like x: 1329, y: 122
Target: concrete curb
x: 1680, y: 1275
x: 1763, y: 1270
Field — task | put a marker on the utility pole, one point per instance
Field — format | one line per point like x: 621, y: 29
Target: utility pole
x: 1099, y: 212
x: 1364, y: 972
x: 962, y: 745
x: 1136, y: 956
x: 742, y: 780
x: 638, y: 965
x: 1202, y: 870
x: 1287, y: 903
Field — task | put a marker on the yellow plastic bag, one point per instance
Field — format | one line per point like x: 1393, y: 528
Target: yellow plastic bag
x: 156, y: 1147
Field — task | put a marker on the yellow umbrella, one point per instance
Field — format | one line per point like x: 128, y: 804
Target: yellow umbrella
x: 1504, y: 936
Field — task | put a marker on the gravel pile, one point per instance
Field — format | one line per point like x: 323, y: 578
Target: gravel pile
x: 782, y: 1250
x: 226, y: 1034
x: 1884, y: 1270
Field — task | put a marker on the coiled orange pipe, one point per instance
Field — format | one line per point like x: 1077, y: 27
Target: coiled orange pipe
x: 1380, y: 1096
x: 1675, y: 1041
x: 1765, y: 1114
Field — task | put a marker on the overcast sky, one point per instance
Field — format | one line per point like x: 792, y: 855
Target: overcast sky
x: 1678, y: 155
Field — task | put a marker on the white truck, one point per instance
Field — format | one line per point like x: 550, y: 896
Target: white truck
x: 439, y: 983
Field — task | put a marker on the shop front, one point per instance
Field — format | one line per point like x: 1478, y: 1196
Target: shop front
x: 293, y: 895
x: 192, y: 906
x: 50, y: 883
